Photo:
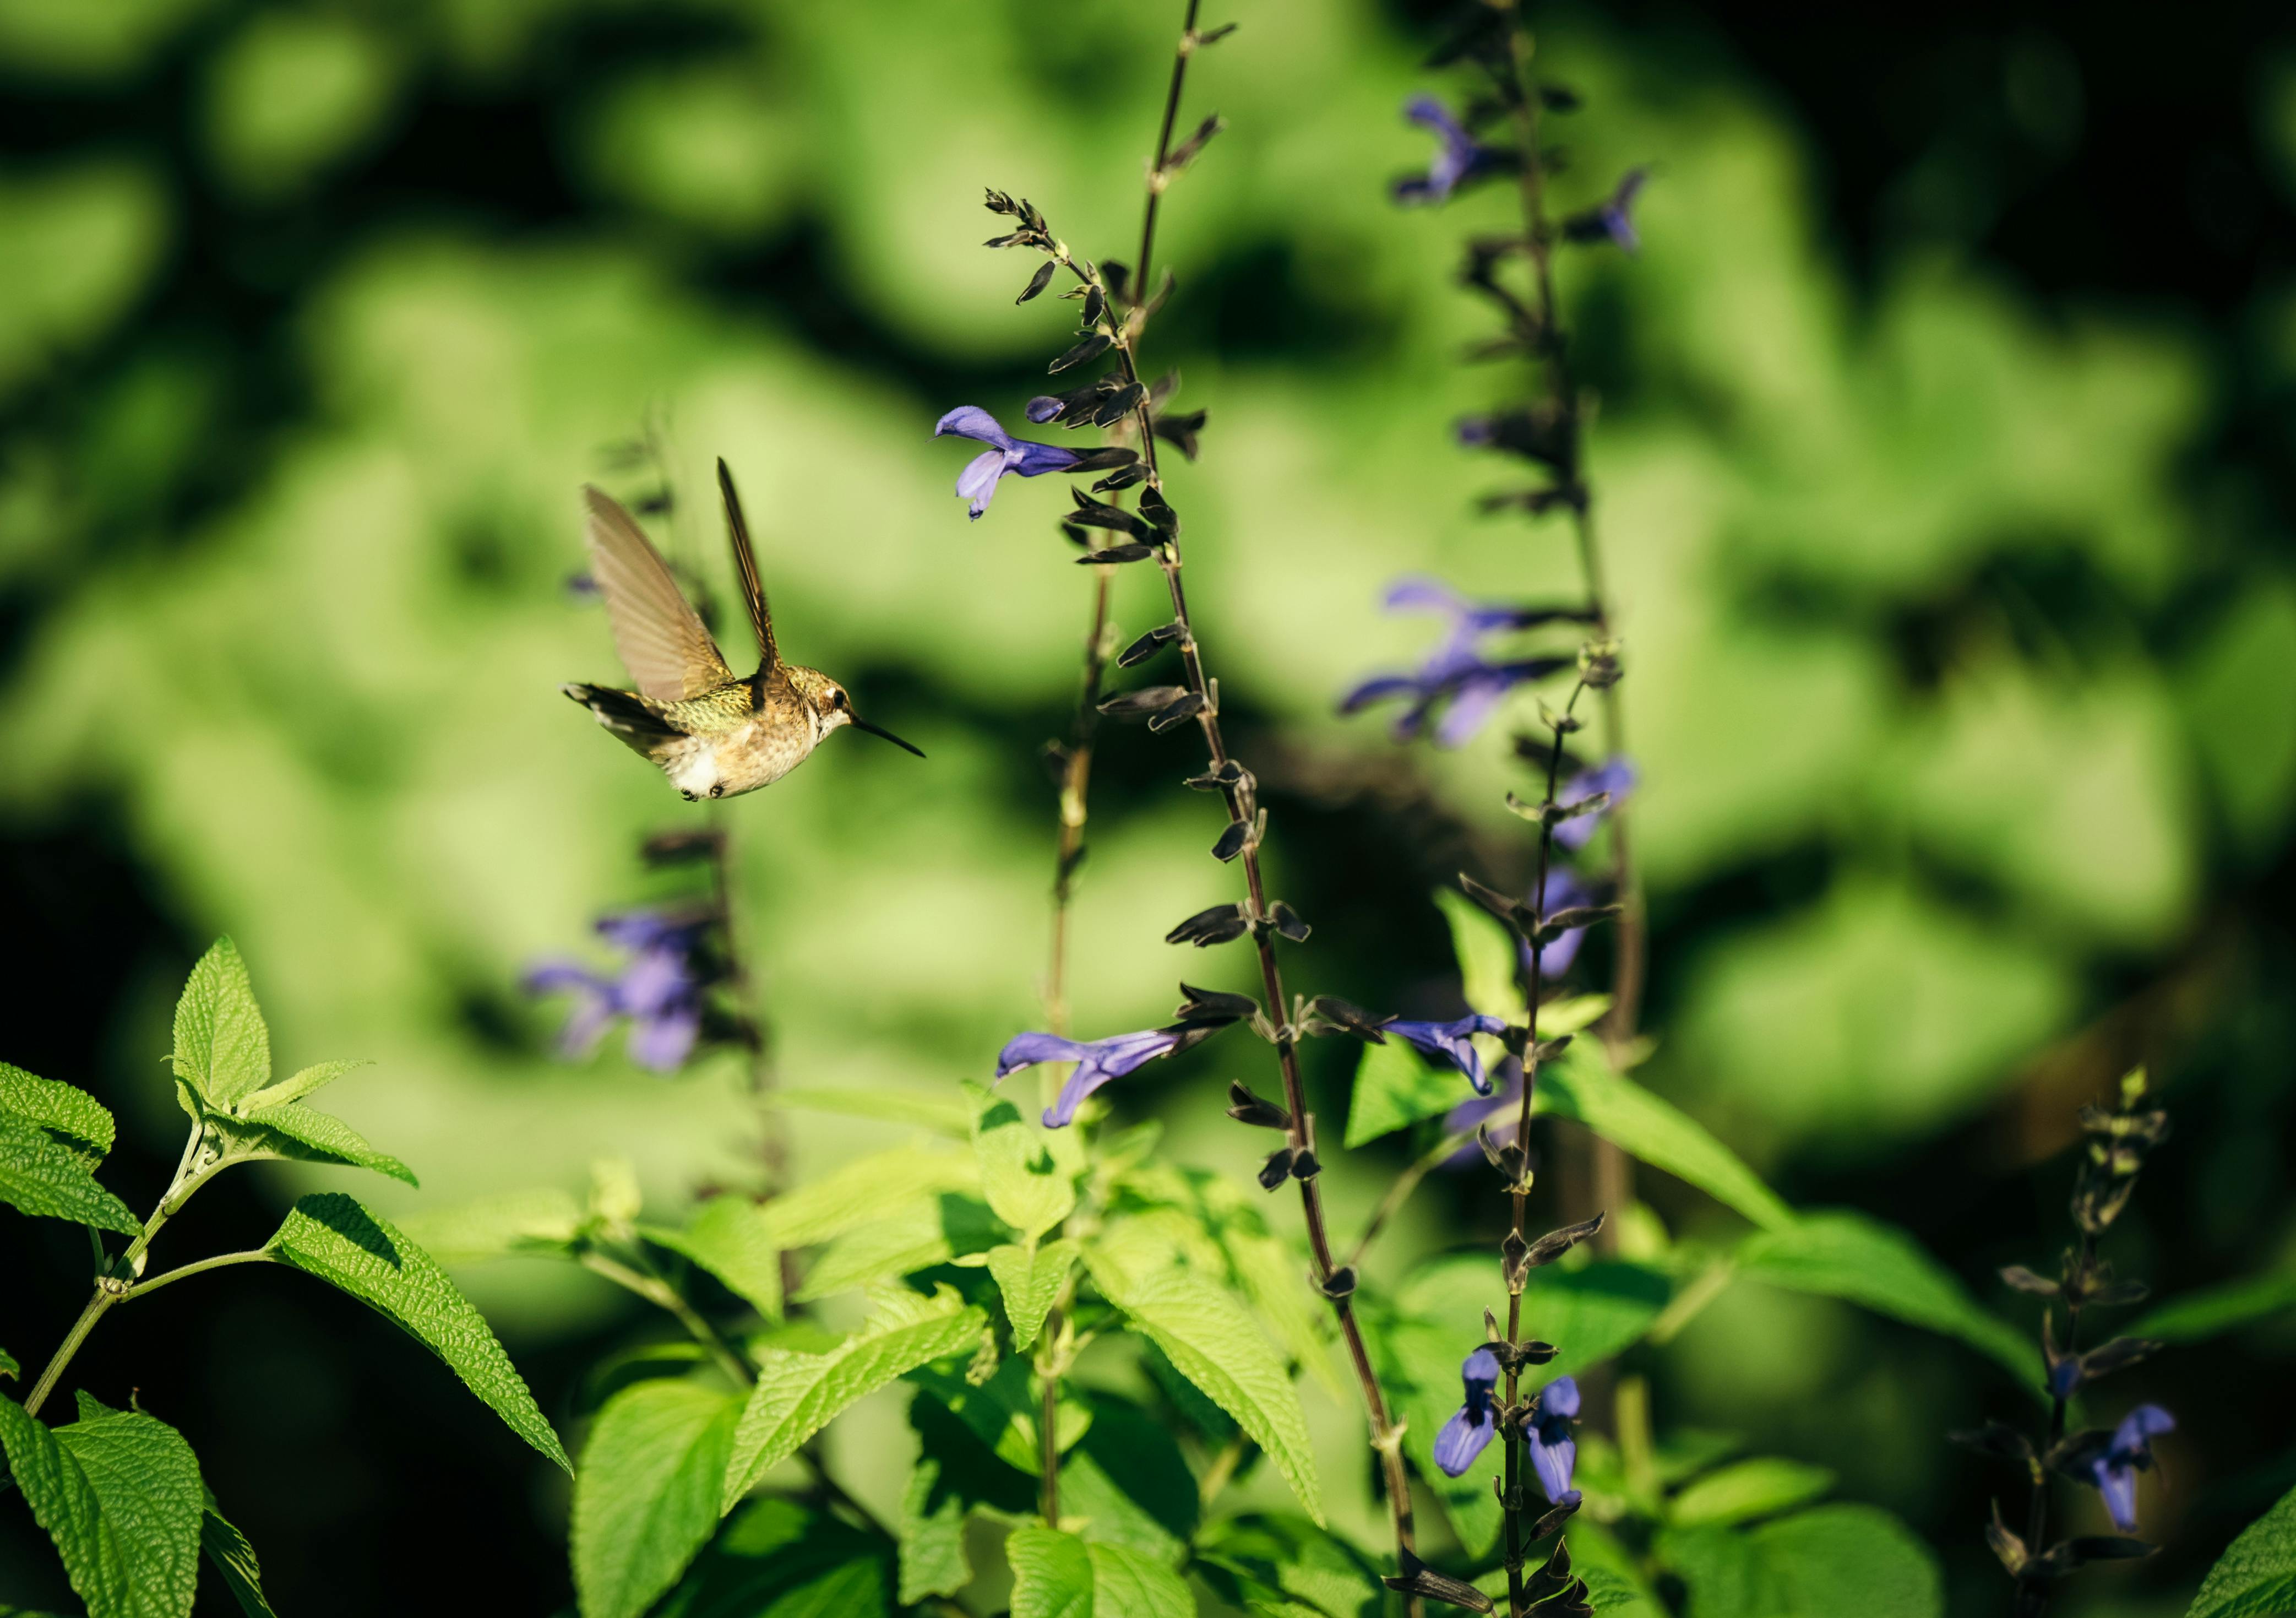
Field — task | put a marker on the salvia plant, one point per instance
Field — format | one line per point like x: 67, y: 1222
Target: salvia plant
x: 1102, y: 1349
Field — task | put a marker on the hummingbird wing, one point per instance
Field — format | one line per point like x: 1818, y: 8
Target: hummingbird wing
x: 660, y: 636
x: 745, y: 560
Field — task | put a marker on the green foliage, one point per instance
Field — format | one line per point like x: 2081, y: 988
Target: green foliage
x: 63, y: 1110
x: 8, y: 1365
x: 1052, y: 1574
x: 1001, y: 1409
x: 334, y: 1238
x: 1488, y: 963
x: 1819, y: 1563
x: 297, y: 1085
x: 646, y: 1493
x: 1654, y: 1131
x: 294, y: 1130
x: 1031, y: 1283
x: 1394, y: 1088
x: 1215, y: 1343
x: 1129, y: 1483
x: 956, y: 1474
x: 538, y: 1221
x: 1028, y: 1172
x: 798, y: 1394
x: 39, y: 1176
x: 2198, y: 1315
x: 867, y: 1190
x: 1762, y: 1487
x: 1849, y: 1256
x: 119, y: 1493
x: 1126, y: 1584
x: 222, y: 1047
x: 228, y: 1552
x: 732, y: 1237
x: 776, y: 1559
x: 2256, y: 1577
x: 1285, y: 1566
x: 910, y: 1236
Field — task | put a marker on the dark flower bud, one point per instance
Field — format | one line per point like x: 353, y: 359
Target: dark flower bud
x: 1547, y: 1050
x: 2007, y: 1545
x: 1091, y: 348
x: 1331, y: 1014
x: 1514, y: 1260
x: 1555, y: 1244
x: 1095, y: 305
x: 1216, y: 925
x: 1232, y: 840
x: 1289, y: 922
x: 1508, y: 910
x: 1214, y: 36
x: 1304, y: 1165
x: 1116, y: 555
x: 1179, y: 712
x: 1159, y: 512
x: 1185, y: 153
x: 1119, y: 404
x: 2117, y: 1355
x: 1418, y: 1579
x: 1247, y: 1108
x: 1554, y: 1519
x: 1340, y: 1283
x: 998, y: 202
x: 1574, y: 918
x: 2003, y: 1442
x: 1229, y: 776
x: 1181, y: 430
x: 1213, y: 1006
x: 1146, y: 700
x: 1103, y: 458
x: 1117, y: 278
x: 1558, y: 98
x: 1123, y: 477
x: 1090, y: 512
x: 1140, y: 650
x: 2025, y: 1280
x: 1038, y: 282
x: 1276, y: 1169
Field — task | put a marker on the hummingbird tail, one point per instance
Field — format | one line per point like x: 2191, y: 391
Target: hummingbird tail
x: 630, y: 717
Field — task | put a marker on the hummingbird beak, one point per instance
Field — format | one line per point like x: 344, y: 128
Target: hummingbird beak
x: 859, y: 723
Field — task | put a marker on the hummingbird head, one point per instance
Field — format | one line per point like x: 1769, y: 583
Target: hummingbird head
x: 831, y: 706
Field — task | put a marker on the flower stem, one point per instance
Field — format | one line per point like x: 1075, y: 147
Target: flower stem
x: 1539, y: 327
x: 660, y: 1293
x: 253, y: 1255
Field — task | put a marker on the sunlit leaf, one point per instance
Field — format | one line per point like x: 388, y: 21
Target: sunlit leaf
x: 732, y: 1237
x: 40, y: 1176
x: 1762, y: 1487
x: 119, y: 1493
x: 1052, y: 1574
x: 646, y: 1492
x: 228, y: 1552
x: 223, y: 1047
x: 65, y: 1109
x: 326, y: 1138
x: 2256, y: 1577
x: 2195, y: 1317
x: 1656, y: 1132
x: 1031, y: 1282
x: 1028, y: 1172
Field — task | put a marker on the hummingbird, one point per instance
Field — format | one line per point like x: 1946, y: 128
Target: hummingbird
x: 713, y: 732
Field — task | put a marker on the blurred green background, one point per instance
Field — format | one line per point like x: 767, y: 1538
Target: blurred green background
x: 1943, y: 459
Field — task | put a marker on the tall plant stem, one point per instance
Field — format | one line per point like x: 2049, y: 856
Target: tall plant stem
x: 773, y: 1139
x: 2033, y: 1595
x: 1075, y: 784
x: 1613, y: 1178
x: 1240, y: 795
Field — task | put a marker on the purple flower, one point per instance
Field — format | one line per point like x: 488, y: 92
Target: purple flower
x: 658, y: 990
x: 1097, y: 1061
x: 977, y: 482
x: 1615, y: 776
x: 1564, y: 891
x: 1451, y: 1042
x: 1455, y: 672
x: 2114, y: 1472
x: 1464, y: 1436
x: 1457, y: 154
x: 1553, y: 1452
x: 1612, y: 220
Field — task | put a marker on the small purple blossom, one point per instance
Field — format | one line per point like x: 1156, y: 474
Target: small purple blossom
x: 1097, y: 1061
x: 1457, y: 154
x: 658, y: 990
x: 1454, y: 672
x: 1553, y: 1452
x: 1615, y: 776
x: 1611, y: 220
x: 1451, y: 1042
x: 2114, y: 1472
x: 1464, y: 1436
x: 977, y: 482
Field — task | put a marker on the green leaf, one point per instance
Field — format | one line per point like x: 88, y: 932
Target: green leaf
x: 331, y: 1237
x: 1820, y: 1563
x: 645, y: 1496
x: 776, y: 1559
x: 1846, y: 1255
x: 234, y: 1559
x: 2212, y: 1311
x: 8, y: 1365
x: 955, y: 1474
x: 2256, y: 1576
x: 731, y: 1238
x: 1129, y: 1479
x: 1028, y: 1172
x: 1031, y: 1283
x: 1214, y: 1342
x: 1051, y: 1573
x: 1284, y: 1564
x: 1487, y: 956
x: 64, y: 1108
x: 1762, y: 1487
x: 1002, y: 1411
x: 325, y: 1137
x: 865, y: 1191
x: 223, y: 1050
x: 1126, y: 1584
x: 1654, y: 1131
x: 297, y: 1085
x: 120, y: 1494
x: 916, y: 1109
x: 1394, y: 1088
x: 911, y: 1236
x: 1610, y: 1592
x: 543, y: 1220
x: 40, y: 1176
x: 798, y: 1394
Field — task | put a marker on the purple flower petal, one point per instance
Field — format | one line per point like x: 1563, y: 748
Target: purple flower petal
x: 663, y: 1042
x: 1031, y: 459
x: 1461, y: 1439
x: 1472, y: 704
x: 1097, y: 1061
x: 1026, y: 1050
x: 1042, y: 409
x: 1451, y: 1042
x: 972, y: 422
x: 1553, y: 1452
x: 977, y: 482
